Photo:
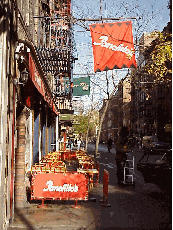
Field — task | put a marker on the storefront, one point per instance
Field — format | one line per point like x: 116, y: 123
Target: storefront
x: 36, y: 115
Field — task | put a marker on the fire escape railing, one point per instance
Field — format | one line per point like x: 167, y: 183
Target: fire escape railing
x: 51, y: 34
x: 54, y: 50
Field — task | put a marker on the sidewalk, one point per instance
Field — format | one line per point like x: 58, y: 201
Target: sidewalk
x: 142, y: 207
x: 58, y: 215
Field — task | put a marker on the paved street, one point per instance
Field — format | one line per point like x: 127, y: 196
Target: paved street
x: 144, y: 206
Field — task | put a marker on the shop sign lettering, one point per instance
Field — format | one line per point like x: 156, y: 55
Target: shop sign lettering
x: 64, y: 188
x: 113, y: 47
x: 83, y: 85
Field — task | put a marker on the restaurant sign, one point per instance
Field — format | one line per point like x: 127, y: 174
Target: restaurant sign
x: 81, y: 86
x: 66, y: 117
x: 59, y: 186
x: 113, y: 46
x: 65, y: 188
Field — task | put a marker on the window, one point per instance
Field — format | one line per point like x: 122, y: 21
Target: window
x: 109, y: 123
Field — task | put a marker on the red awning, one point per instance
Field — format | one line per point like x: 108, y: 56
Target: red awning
x: 40, y: 85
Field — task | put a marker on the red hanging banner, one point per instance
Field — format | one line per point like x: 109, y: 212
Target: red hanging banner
x: 113, y: 46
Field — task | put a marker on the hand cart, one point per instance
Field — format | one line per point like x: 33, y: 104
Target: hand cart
x: 129, y: 172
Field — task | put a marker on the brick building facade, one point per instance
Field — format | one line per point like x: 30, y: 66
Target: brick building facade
x: 110, y: 123
x: 35, y: 61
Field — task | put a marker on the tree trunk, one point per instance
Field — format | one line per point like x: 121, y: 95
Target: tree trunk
x: 87, y: 136
x: 102, y: 118
x: 19, y: 186
x: 100, y: 126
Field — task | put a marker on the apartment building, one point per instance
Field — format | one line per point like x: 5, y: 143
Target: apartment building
x: 110, y: 123
x: 151, y: 100
x: 36, y: 86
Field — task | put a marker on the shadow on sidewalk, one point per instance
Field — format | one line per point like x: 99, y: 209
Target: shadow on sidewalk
x: 23, y: 221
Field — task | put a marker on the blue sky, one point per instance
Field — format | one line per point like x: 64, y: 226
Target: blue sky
x: 160, y: 6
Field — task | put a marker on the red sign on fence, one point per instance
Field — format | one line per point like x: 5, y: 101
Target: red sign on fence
x: 59, y: 186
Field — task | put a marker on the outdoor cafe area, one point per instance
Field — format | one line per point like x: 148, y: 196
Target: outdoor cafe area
x: 64, y: 175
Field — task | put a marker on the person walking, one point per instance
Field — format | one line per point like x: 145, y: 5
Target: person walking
x: 72, y: 141
x: 109, y: 144
x: 75, y: 142
x: 69, y: 143
x: 78, y: 144
x: 120, y: 158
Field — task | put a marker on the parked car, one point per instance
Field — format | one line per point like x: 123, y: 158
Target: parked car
x: 151, y: 143
x: 160, y: 147
x: 157, y: 169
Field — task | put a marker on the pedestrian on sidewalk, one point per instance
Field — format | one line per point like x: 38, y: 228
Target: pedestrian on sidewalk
x: 72, y: 143
x: 78, y: 144
x: 69, y: 143
x: 75, y: 142
x: 120, y: 158
x: 109, y: 144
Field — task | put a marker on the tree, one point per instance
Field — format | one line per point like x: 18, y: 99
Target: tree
x: 86, y: 124
x: 94, y: 122
x: 104, y: 112
x: 160, y: 58
x: 146, y: 20
x: 80, y: 125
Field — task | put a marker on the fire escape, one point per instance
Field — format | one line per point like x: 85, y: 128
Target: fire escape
x: 54, y: 50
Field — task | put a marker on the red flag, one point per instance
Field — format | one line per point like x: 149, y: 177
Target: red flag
x: 113, y: 46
